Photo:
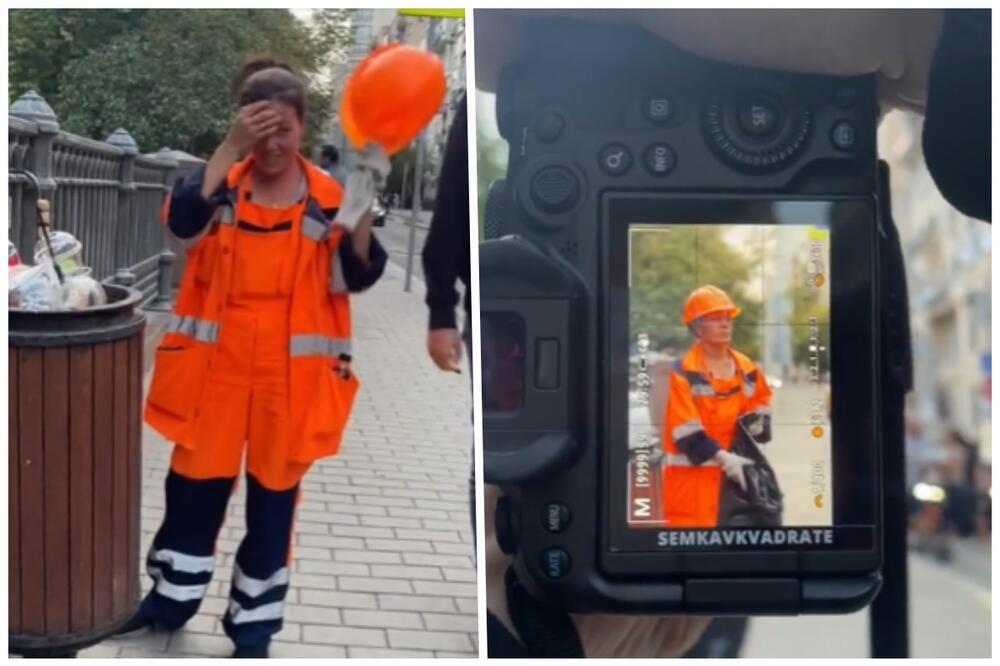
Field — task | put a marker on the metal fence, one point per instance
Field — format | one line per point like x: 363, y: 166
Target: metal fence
x: 103, y: 192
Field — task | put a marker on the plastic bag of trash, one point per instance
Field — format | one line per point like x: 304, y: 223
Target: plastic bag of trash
x: 82, y: 291
x: 34, y: 288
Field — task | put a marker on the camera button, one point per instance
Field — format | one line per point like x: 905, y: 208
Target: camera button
x: 657, y: 108
x: 555, y: 563
x: 615, y: 159
x: 660, y: 159
x: 549, y: 126
x: 843, y: 136
x: 758, y: 117
x: 555, y: 517
x: 555, y: 189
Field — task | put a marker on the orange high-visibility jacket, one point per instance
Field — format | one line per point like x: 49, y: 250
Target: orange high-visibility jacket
x: 320, y: 397
x: 702, y: 415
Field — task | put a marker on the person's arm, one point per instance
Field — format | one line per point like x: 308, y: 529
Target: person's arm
x: 252, y: 123
x: 448, y: 238
x: 193, y: 199
x: 361, y: 237
x: 189, y: 210
x: 757, y: 416
x: 360, y: 271
x: 684, y: 426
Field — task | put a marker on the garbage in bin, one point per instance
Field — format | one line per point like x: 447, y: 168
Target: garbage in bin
x: 81, y: 292
x: 33, y: 288
x: 39, y: 288
x: 13, y: 257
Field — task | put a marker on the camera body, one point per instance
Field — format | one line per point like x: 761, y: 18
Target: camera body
x: 613, y: 132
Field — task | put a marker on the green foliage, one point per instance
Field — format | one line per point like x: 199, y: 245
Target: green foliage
x: 41, y: 42
x: 167, y: 76
x: 669, y: 263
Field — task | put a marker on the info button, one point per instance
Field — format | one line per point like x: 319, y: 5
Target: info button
x: 660, y: 159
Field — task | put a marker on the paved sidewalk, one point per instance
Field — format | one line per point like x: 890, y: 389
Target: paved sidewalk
x: 403, y: 215
x: 383, y: 545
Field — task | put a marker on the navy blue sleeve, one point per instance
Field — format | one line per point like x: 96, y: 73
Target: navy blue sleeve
x: 698, y: 447
x: 189, y: 211
x: 357, y: 274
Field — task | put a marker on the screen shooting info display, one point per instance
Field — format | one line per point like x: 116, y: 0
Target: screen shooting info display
x: 729, y: 351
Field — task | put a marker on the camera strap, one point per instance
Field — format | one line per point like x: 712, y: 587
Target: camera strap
x: 544, y: 631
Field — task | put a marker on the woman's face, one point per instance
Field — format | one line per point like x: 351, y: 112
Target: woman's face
x: 276, y: 153
x: 716, y: 328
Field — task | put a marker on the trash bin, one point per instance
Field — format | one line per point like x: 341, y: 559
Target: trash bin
x: 75, y: 406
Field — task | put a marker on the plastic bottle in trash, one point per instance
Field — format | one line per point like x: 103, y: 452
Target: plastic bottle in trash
x: 67, y: 250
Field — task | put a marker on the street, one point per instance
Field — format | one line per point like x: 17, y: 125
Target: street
x: 395, y: 236
x: 950, y: 610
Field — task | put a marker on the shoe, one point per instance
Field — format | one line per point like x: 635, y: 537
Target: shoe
x: 136, y: 623
x: 251, y: 652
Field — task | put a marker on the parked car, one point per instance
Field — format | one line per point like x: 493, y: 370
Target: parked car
x: 378, y: 213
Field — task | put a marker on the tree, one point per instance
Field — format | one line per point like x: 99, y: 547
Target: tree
x: 668, y: 263
x: 43, y: 41
x: 167, y: 75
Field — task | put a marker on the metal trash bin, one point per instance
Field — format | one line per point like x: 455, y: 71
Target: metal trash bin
x: 75, y: 414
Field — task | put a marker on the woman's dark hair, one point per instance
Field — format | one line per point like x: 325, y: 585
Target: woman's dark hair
x: 264, y: 78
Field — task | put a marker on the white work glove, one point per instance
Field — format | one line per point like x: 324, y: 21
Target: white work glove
x: 371, y: 168
x: 732, y: 466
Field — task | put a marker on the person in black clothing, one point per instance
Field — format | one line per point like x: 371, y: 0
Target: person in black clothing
x: 935, y: 62
x: 446, y: 261
x: 329, y: 161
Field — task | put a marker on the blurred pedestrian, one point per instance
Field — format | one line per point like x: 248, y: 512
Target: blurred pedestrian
x: 446, y: 262
x: 329, y: 161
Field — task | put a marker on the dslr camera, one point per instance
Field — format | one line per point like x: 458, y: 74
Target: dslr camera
x: 694, y: 331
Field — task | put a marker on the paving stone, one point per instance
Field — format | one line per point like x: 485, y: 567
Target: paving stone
x: 429, y: 640
x: 383, y: 618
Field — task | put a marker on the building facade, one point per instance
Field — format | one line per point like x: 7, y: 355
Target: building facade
x: 948, y: 272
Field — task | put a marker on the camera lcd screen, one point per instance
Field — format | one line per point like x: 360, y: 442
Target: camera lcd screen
x: 729, y: 376
x: 741, y: 375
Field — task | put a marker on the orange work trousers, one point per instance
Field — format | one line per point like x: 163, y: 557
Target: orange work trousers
x: 245, y: 402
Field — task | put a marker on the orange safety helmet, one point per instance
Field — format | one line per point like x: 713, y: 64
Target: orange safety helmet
x: 391, y: 96
x: 705, y: 300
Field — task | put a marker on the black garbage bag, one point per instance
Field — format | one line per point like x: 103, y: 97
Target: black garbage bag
x: 761, y: 504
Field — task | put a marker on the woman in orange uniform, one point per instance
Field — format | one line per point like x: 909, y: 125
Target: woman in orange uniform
x: 257, y: 358
x: 714, y: 389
